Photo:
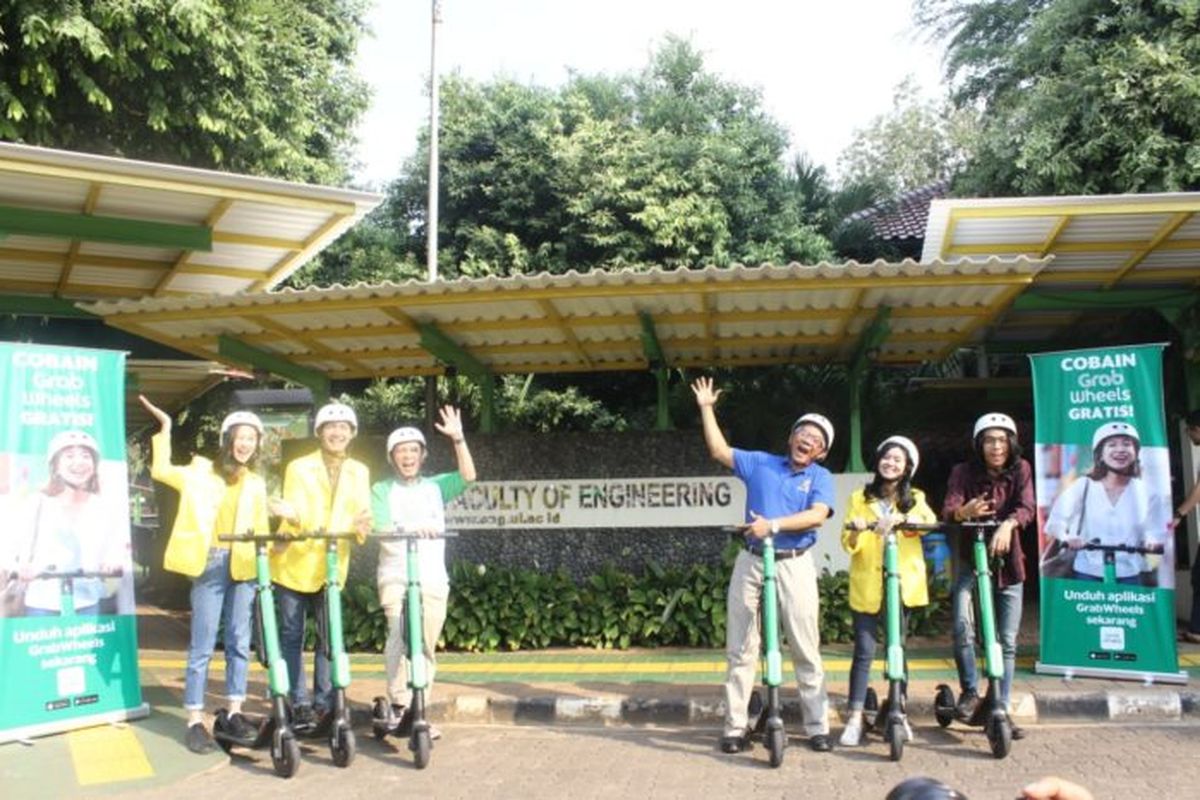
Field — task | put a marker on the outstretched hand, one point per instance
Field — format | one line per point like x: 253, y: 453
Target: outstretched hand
x: 451, y: 423
x: 164, y: 419
x: 706, y: 395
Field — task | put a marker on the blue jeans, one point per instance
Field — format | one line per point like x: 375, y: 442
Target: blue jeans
x: 217, y: 598
x: 866, y: 634
x: 1008, y: 621
x: 292, y: 607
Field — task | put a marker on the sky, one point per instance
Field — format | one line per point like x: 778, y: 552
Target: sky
x: 824, y: 68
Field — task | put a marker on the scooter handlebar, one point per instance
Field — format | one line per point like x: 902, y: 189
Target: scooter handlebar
x: 51, y: 574
x: 390, y: 535
x: 1095, y: 544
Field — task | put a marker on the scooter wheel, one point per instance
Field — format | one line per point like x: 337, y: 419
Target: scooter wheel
x: 344, y: 747
x: 379, y: 714
x: 999, y: 733
x: 776, y: 742
x: 421, y: 744
x: 870, y: 708
x: 287, y: 761
x: 895, y: 736
x: 943, y: 706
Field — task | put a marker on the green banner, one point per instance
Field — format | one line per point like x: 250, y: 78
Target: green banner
x: 1104, y: 507
x: 68, y: 629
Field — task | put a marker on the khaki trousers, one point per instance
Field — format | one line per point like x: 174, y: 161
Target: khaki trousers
x: 796, y: 582
x: 395, y: 651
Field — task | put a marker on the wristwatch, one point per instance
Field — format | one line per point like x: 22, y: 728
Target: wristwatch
x: 774, y: 527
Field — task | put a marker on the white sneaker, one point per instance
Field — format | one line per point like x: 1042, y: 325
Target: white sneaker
x: 435, y: 733
x: 908, y: 731
x: 852, y: 733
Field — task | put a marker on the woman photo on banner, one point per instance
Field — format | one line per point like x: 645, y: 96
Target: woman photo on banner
x: 1110, y: 506
x: 67, y: 527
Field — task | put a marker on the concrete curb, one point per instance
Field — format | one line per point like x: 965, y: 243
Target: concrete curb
x: 1149, y: 705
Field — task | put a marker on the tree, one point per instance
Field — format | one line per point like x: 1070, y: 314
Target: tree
x: 1078, y: 96
x: 918, y: 142
x: 257, y: 86
x: 672, y: 166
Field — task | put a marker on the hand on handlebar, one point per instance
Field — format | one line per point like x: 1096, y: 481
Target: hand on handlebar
x: 759, y: 527
x: 1001, y: 541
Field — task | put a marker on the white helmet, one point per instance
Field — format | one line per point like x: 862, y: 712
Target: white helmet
x: 904, y: 443
x: 402, y: 435
x: 821, y: 422
x: 335, y: 412
x: 64, y: 439
x: 1115, y: 429
x: 241, y: 418
x: 1002, y: 421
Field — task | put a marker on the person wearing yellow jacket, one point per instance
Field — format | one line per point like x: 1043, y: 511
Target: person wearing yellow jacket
x: 325, y: 490
x: 889, y: 500
x: 215, y: 497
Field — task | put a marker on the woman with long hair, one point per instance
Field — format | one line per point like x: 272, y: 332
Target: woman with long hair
x: 888, y: 501
x: 1110, y: 506
x: 69, y: 529
x: 220, y: 496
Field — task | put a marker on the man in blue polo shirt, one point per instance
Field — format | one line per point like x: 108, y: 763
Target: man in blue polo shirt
x: 788, y: 497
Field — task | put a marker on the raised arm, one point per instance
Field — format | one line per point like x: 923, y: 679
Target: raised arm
x: 706, y: 398
x: 451, y: 427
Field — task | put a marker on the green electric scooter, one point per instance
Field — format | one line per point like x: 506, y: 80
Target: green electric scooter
x: 891, y: 718
x: 769, y: 724
x: 412, y: 723
x: 990, y: 714
x: 275, y: 730
x: 335, y: 724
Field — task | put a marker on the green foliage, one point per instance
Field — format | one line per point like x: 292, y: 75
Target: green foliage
x: 1078, y: 96
x: 917, y: 143
x: 522, y: 403
x: 504, y: 608
x: 257, y: 86
x: 672, y: 166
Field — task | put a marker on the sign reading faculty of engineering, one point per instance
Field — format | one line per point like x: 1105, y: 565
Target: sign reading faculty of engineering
x: 1104, y: 508
x: 68, y: 632
x: 599, y: 503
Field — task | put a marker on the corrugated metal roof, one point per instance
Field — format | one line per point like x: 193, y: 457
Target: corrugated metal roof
x: 584, y: 322
x: 1098, y: 242
x: 262, y: 229
x: 1101, y: 242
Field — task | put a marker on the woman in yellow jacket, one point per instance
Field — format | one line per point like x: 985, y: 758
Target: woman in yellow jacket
x: 215, y: 497
x: 888, y: 500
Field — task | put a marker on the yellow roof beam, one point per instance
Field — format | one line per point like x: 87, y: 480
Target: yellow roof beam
x: 89, y: 208
x: 214, y: 216
x: 315, y: 242
x: 1052, y: 239
x: 1161, y: 275
x: 556, y: 319
x: 254, y: 240
x: 1189, y: 204
x: 1159, y: 237
x: 316, y: 347
x: 1062, y: 248
x: 207, y: 189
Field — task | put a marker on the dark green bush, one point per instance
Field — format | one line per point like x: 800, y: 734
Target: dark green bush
x: 505, y: 608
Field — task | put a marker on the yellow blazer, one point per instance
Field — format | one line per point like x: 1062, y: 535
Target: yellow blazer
x: 866, y: 557
x: 200, y: 493
x: 300, y: 566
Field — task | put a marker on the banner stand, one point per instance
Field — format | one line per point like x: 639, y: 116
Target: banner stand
x: 1146, y: 678
x: 1105, y: 545
x: 48, y: 728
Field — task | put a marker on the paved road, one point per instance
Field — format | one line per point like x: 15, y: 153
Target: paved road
x: 486, y: 761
